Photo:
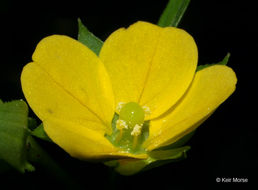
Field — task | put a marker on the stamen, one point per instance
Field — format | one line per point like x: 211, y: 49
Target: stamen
x: 121, y: 124
x: 119, y: 136
x: 119, y: 106
x: 128, y: 124
x: 146, y: 110
x: 137, y: 130
x: 135, y: 141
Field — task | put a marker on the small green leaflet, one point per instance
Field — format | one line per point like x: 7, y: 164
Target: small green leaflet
x: 88, y: 39
x: 173, y: 13
x: 223, y: 62
x: 13, y: 134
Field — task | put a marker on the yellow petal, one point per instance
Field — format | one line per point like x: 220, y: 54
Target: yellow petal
x: 77, y: 70
x: 79, y: 141
x: 150, y: 65
x: 48, y: 99
x: 67, y: 122
x: 82, y: 142
x: 210, y: 87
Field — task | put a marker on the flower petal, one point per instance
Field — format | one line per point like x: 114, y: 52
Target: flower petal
x: 211, y: 87
x: 77, y: 70
x: 48, y: 99
x: 150, y: 65
x: 66, y: 121
x: 79, y: 141
x: 82, y: 142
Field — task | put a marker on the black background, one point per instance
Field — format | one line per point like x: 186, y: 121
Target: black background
x: 224, y: 146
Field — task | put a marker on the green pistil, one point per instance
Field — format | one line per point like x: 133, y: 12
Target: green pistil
x: 129, y: 128
x: 132, y: 113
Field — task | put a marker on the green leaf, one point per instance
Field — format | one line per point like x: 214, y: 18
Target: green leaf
x: 173, y: 13
x: 88, y: 39
x: 156, y: 158
x: 40, y: 133
x: 13, y: 134
x: 223, y: 62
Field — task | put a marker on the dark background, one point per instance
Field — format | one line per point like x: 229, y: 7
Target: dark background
x: 224, y: 146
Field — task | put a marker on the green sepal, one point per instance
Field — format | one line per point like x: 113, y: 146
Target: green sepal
x: 173, y: 13
x: 32, y: 123
x: 88, y: 39
x: 223, y: 62
x: 37, y: 130
x: 40, y: 133
x: 156, y: 158
x: 13, y: 134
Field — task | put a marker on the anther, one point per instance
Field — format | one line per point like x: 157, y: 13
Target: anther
x: 119, y: 106
x: 121, y: 124
x: 136, y: 130
x: 146, y: 110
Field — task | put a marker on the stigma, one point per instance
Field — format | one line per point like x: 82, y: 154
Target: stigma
x: 131, y: 116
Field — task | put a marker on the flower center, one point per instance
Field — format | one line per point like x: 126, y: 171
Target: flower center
x: 129, y: 128
x: 132, y: 113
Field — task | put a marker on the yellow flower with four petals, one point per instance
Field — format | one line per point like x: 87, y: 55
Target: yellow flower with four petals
x: 144, y: 81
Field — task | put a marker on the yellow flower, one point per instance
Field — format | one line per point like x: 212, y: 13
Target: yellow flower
x: 145, y: 74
